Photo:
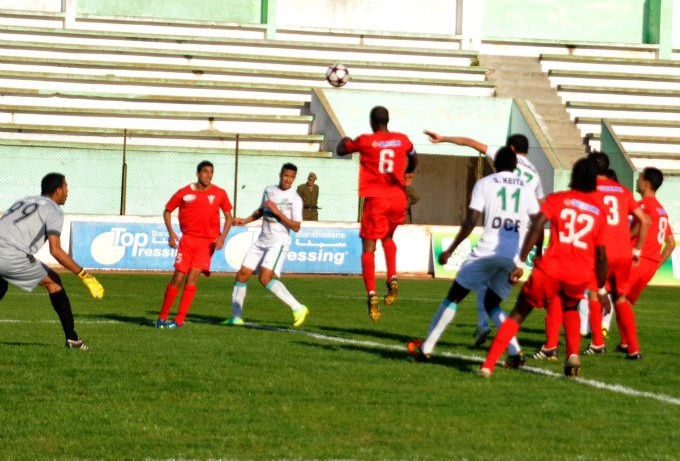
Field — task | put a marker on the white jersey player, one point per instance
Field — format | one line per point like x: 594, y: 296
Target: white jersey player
x: 526, y: 170
x: 281, y: 212
x: 24, y: 229
x: 507, y: 203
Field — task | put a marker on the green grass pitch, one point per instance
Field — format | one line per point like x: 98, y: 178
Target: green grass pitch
x: 340, y: 387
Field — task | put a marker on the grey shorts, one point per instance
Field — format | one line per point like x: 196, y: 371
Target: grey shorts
x: 20, y: 269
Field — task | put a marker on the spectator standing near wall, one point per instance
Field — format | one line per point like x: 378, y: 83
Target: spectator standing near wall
x: 309, y: 192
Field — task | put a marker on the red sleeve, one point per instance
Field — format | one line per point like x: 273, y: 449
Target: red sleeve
x: 547, y: 207
x: 226, y: 203
x: 175, y: 200
x: 352, y: 145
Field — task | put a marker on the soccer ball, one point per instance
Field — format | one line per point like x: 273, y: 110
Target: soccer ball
x: 337, y: 75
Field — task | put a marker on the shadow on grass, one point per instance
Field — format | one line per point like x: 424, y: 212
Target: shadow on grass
x: 459, y: 363
x: 23, y: 344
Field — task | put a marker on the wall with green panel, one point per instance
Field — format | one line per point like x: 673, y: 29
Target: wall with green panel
x: 615, y: 21
x: 245, y: 11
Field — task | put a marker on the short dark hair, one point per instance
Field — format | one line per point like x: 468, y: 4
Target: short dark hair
x: 506, y: 159
x: 611, y: 174
x: 204, y: 164
x: 379, y: 116
x: 51, y: 182
x: 288, y: 166
x: 584, y: 175
x: 601, y: 161
x: 519, y: 142
x: 654, y: 176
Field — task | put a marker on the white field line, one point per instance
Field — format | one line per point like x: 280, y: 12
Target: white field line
x: 616, y: 388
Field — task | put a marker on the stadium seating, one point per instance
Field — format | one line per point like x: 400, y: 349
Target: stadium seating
x: 639, y: 98
x: 171, y: 87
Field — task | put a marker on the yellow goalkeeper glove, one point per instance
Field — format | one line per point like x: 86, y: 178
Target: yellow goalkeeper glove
x: 96, y: 288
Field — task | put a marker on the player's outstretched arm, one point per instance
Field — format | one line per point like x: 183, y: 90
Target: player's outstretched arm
x: 436, y: 138
x: 63, y: 258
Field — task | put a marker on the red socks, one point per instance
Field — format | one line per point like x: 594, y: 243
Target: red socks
x: 390, y: 250
x: 553, y: 323
x: 185, y: 303
x: 368, y: 271
x: 508, y: 329
x: 572, y: 333
x: 168, y: 300
x: 595, y: 319
x: 626, y: 317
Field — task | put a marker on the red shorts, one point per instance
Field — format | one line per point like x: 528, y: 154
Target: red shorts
x: 640, y: 276
x: 194, y: 252
x: 617, y: 276
x: 542, y: 288
x: 382, y: 215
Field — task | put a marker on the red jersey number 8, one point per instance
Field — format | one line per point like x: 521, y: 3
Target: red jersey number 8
x: 571, y: 235
x: 386, y: 163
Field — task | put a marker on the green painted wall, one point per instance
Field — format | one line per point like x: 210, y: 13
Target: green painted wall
x: 244, y: 11
x: 617, y: 21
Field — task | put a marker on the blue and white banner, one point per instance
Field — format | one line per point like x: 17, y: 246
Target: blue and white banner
x: 144, y: 246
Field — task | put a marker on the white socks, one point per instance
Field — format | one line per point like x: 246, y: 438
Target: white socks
x: 281, y: 292
x: 444, y: 315
x: 238, y: 296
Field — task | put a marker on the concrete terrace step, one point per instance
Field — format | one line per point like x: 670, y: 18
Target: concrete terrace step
x: 153, y: 119
x: 614, y: 79
x: 613, y: 95
x: 537, y: 47
x: 628, y: 127
x: 285, y: 90
x: 661, y: 145
x: 627, y: 111
x: 610, y: 64
x: 242, y: 66
x: 198, y: 46
x: 74, y: 99
x: 261, y: 143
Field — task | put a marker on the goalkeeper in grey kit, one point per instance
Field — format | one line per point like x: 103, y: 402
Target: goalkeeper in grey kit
x: 24, y: 229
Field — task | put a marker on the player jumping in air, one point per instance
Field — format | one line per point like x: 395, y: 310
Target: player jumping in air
x: 385, y: 157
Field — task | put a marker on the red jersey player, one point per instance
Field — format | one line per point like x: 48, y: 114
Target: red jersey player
x: 619, y: 203
x: 576, y: 250
x: 659, y: 235
x: 385, y: 157
x: 199, y: 206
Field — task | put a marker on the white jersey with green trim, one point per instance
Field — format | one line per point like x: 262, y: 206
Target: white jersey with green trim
x: 290, y: 204
x: 527, y: 171
x: 26, y: 224
x: 506, y: 201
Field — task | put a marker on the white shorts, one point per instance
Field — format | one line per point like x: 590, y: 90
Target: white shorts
x: 20, y: 269
x: 269, y: 256
x: 489, y: 271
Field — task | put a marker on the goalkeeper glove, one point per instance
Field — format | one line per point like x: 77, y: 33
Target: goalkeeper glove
x: 96, y: 288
